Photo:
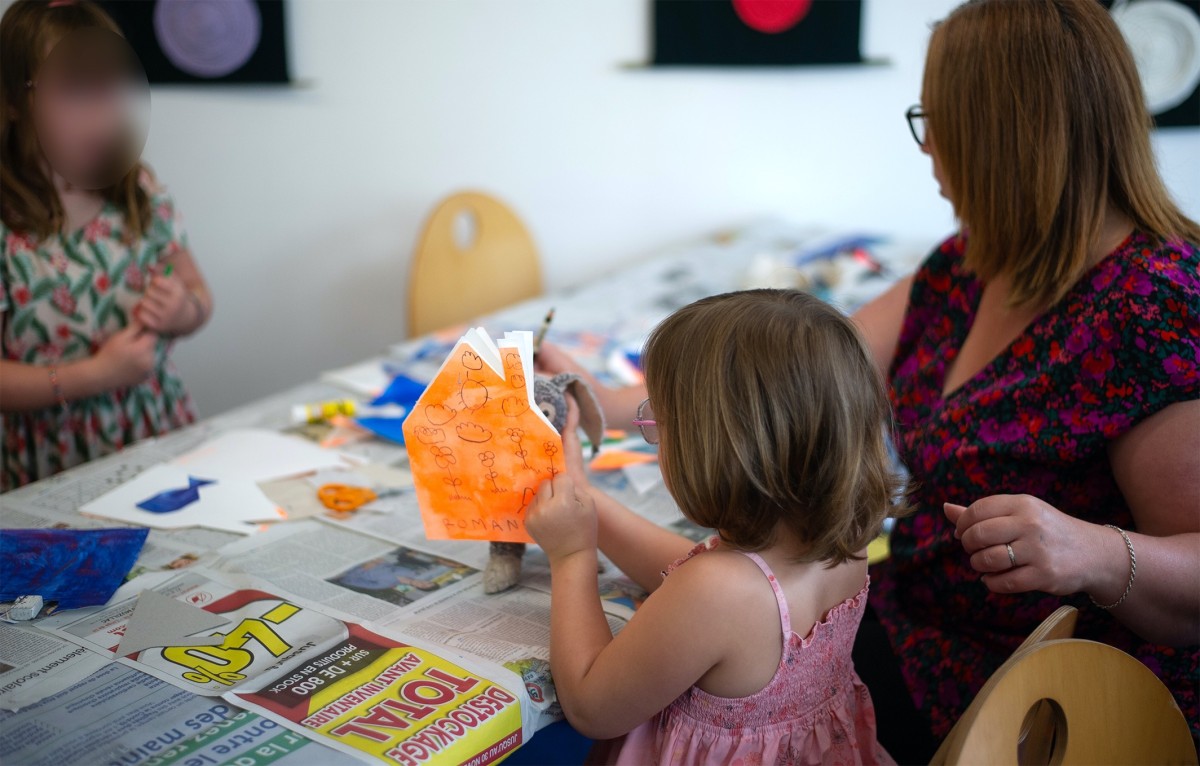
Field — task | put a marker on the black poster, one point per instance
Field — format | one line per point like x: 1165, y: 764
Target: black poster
x: 756, y: 32
x: 205, y: 41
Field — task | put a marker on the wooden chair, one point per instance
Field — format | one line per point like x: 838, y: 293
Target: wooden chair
x: 458, y: 275
x: 1106, y: 707
x: 1036, y: 738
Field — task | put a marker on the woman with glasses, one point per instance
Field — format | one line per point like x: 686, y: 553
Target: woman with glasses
x: 1044, y: 368
x: 1042, y: 365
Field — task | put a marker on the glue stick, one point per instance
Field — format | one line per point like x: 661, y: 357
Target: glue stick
x: 319, y: 411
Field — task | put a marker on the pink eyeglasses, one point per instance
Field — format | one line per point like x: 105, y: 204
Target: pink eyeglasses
x: 646, y: 423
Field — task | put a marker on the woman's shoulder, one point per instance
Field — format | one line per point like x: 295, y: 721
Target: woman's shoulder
x: 942, y: 271
x: 1148, y: 282
x: 1151, y: 267
x: 1138, y: 316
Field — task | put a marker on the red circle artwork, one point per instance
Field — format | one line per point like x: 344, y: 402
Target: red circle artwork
x: 771, y: 16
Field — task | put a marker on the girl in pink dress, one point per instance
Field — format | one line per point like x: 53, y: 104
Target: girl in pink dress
x: 771, y: 420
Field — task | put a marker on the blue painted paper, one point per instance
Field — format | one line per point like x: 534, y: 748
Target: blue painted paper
x: 403, y: 391
x: 75, y: 567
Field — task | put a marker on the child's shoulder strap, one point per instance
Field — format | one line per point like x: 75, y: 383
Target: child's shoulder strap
x: 785, y: 619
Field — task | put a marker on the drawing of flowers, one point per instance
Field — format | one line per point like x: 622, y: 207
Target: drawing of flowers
x: 444, y: 457
x: 488, y: 460
x: 515, y: 435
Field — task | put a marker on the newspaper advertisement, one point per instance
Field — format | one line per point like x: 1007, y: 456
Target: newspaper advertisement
x: 381, y: 698
x: 426, y: 596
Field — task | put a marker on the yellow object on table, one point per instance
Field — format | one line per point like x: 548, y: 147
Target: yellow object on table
x: 878, y: 549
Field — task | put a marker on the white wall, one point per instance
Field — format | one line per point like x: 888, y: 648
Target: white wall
x: 303, y: 204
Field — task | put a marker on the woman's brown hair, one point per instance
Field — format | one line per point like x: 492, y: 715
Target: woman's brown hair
x: 1037, y: 118
x: 28, y: 200
x: 772, y: 412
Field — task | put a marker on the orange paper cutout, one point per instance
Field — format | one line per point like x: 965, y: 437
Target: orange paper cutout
x: 479, y: 448
x: 615, y: 459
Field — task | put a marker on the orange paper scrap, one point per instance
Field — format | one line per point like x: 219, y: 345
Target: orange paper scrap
x: 478, y: 445
x: 613, y: 460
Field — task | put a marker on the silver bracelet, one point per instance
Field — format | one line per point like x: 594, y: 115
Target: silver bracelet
x: 1132, y: 570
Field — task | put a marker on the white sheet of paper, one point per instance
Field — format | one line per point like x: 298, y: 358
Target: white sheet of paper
x: 256, y: 455
x: 643, y: 477
x: 229, y: 504
x: 365, y: 379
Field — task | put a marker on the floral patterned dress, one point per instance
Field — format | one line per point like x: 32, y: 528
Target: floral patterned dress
x: 61, y: 298
x: 1123, y: 344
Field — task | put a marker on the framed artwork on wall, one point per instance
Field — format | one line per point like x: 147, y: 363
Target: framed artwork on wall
x: 750, y: 33
x: 1164, y: 36
x: 202, y: 42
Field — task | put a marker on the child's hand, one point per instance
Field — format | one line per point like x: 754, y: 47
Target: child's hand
x: 573, y: 449
x: 562, y: 520
x: 126, y: 358
x: 166, y: 307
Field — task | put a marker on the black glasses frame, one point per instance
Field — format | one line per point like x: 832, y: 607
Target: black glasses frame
x: 915, y: 114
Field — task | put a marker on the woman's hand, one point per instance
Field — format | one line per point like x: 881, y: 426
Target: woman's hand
x: 618, y: 404
x: 552, y: 360
x: 127, y: 357
x: 168, y: 307
x: 1054, y: 553
x: 562, y: 520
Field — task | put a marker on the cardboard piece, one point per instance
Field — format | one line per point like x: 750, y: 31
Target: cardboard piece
x: 159, y: 620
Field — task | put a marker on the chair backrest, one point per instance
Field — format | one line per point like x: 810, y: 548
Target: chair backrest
x: 1109, y: 708
x: 1037, y: 736
x: 473, y: 257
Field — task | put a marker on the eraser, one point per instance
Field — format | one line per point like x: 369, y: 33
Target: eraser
x: 25, y: 608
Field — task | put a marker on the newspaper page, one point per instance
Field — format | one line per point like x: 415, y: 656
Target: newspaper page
x: 427, y: 596
x: 366, y: 577
x: 34, y: 665
x: 381, y: 698
x: 119, y: 716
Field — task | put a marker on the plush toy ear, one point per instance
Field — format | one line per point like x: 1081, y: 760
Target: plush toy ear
x: 591, y: 417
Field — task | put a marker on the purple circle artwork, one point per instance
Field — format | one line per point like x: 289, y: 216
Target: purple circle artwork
x: 208, y: 38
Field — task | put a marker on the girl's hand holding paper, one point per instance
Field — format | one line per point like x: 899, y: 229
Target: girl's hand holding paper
x: 561, y: 519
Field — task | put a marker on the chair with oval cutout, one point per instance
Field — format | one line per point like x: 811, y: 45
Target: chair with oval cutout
x: 1104, y: 707
x: 473, y: 257
x: 1037, y: 734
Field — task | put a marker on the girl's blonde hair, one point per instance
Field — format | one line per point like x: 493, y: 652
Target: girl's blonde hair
x: 28, y: 200
x: 1038, y: 119
x: 772, y: 412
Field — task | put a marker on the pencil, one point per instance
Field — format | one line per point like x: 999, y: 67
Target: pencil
x: 541, y: 336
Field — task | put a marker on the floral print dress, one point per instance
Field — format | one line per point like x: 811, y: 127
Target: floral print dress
x: 1123, y: 344
x: 61, y: 298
